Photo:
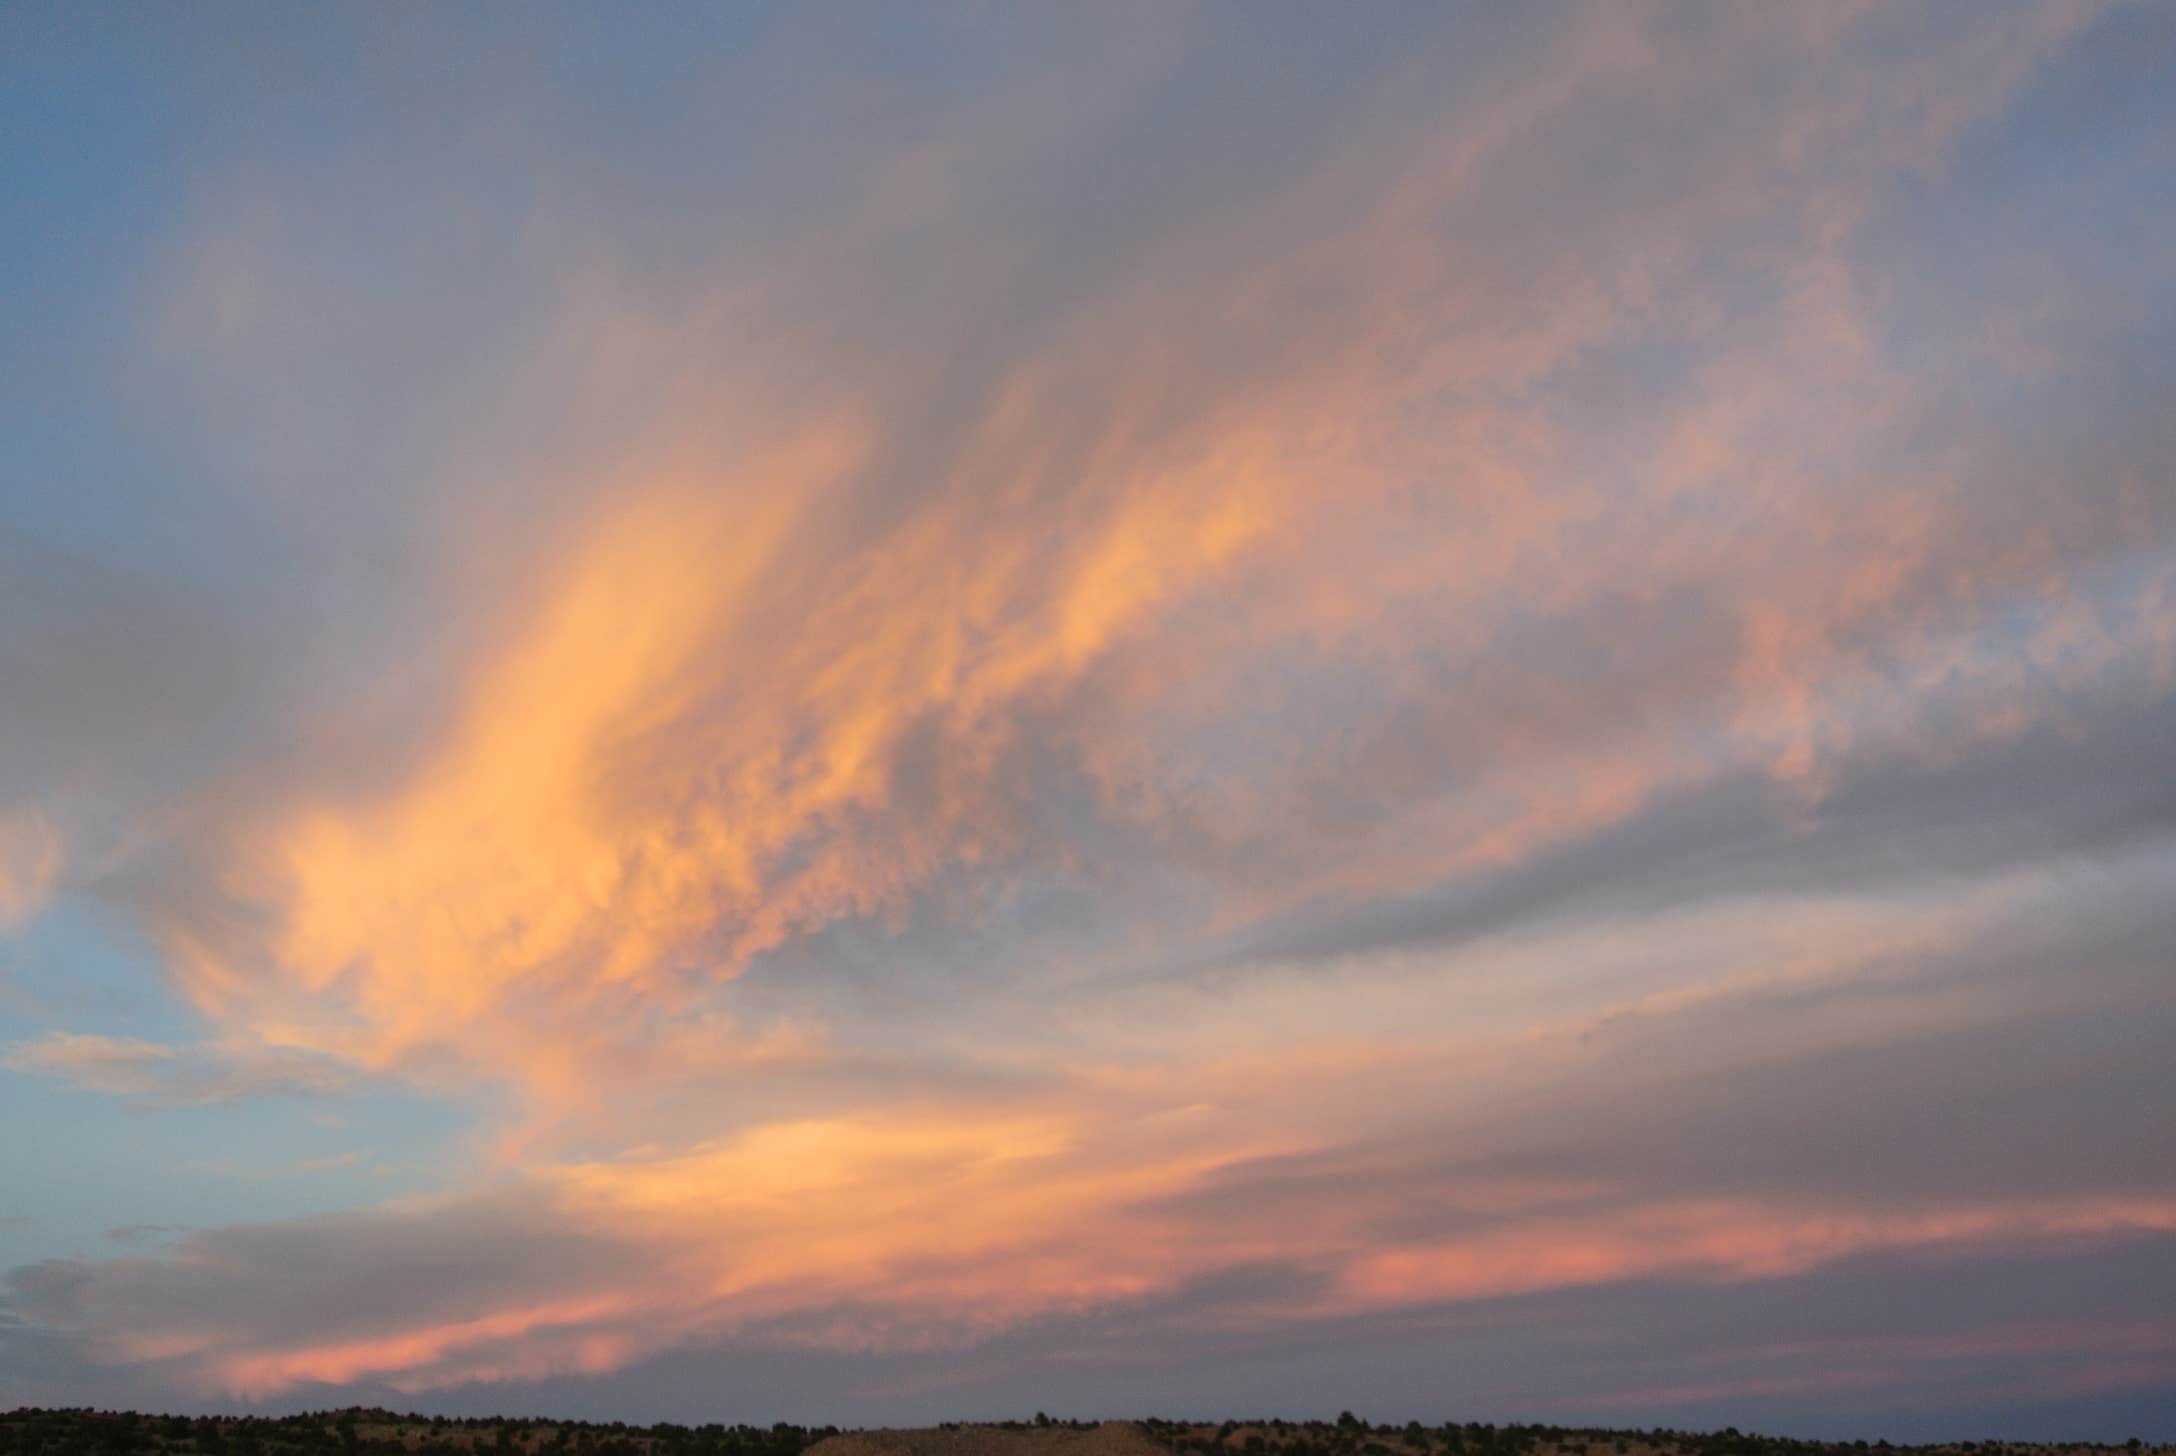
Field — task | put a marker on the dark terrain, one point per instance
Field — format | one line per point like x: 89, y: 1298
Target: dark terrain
x: 31, y: 1432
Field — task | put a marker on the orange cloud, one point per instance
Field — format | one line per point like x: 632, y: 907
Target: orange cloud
x: 1717, y: 1239
x: 764, y: 687
x: 30, y: 861
x: 260, y: 1375
x: 1306, y: 606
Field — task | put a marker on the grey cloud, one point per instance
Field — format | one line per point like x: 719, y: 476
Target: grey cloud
x: 138, y: 678
x: 142, y: 1233
x: 255, y: 1287
x: 1962, y: 1075
x: 2094, y: 785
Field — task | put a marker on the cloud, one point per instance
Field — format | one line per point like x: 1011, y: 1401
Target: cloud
x: 139, y: 1233
x: 1161, y: 693
x: 330, y: 1161
x: 851, y: 659
x: 528, y: 1282
x: 30, y: 861
x: 1716, y: 1109
x: 1603, y: 1354
x: 160, y: 1073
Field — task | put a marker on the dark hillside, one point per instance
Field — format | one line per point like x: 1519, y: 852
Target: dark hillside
x: 32, y: 1432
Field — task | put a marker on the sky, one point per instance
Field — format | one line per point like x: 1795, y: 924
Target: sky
x: 860, y: 714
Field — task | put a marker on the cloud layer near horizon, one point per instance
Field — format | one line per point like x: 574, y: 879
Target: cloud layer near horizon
x: 1240, y: 681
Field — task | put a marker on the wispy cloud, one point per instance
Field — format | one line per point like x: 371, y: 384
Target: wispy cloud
x: 157, y: 1072
x: 142, y: 1233
x: 30, y: 862
x: 331, y: 1161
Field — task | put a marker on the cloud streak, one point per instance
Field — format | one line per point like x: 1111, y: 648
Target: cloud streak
x: 159, y: 1073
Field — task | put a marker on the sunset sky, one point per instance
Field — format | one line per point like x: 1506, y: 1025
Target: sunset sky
x: 886, y: 713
